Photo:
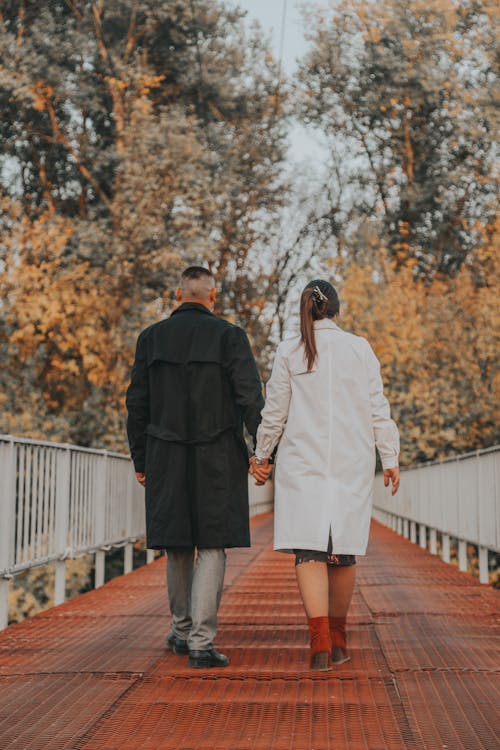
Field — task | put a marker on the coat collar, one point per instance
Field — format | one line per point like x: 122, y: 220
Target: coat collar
x: 326, y: 323
x: 192, y: 306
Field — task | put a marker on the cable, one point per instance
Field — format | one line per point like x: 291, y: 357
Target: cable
x: 282, y: 35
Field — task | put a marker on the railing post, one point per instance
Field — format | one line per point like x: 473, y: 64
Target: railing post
x: 462, y: 555
x: 100, y: 558
x: 100, y: 518
x: 60, y: 582
x: 483, y: 565
x: 63, y: 480
x: 433, y: 541
x: 446, y: 548
x: 8, y: 495
x: 405, y: 528
x: 150, y: 556
x: 422, y: 536
x: 413, y: 532
x: 4, y: 602
x: 128, y: 557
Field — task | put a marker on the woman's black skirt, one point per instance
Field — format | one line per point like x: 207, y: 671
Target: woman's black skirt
x: 312, y: 555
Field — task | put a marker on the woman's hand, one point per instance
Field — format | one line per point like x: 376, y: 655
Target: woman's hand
x: 260, y: 471
x: 392, y: 475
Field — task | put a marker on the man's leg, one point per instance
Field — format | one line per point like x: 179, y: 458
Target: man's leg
x: 180, y: 579
x: 206, y: 592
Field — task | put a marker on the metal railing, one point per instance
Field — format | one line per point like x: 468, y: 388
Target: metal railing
x: 457, y: 497
x: 60, y: 501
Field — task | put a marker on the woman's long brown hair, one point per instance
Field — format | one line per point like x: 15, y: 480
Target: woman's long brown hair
x: 318, y: 300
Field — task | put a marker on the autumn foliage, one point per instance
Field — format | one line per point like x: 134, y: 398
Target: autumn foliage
x: 438, y: 345
x: 138, y: 138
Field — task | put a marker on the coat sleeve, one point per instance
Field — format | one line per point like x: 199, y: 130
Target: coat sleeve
x: 137, y: 402
x: 385, y: 430
x: 275, y: 412
x: 244, y: 377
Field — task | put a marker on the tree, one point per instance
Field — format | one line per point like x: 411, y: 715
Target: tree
x: 438, y: 345
x: 404, y: 90
x: 139, y: 138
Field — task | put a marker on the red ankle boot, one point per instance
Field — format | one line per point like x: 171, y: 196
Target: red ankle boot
x: 321, y: 644
x: 339, y: 640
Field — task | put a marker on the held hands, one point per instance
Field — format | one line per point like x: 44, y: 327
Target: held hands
x: 261, y: 472
x: 392, y: 475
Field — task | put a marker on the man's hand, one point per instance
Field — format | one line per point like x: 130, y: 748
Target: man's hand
x: 260, y: 472
x: 392, y: 475
x: 141, y: 478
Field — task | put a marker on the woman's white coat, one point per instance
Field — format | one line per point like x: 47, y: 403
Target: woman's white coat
x: 327, y: 422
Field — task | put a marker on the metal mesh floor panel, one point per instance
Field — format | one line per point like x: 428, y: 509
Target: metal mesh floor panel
x: 83, y: 644
x: 446, y: 600
x: 94, y: 674
x: 255, y: 715
x: 423, y: 642
x: 383, y: 575
x: 281, y: 652
x: 52, y: 711
x: 450, y: 710
x: 238, y: 613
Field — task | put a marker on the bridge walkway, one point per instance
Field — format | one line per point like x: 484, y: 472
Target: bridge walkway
x: 93, y: 673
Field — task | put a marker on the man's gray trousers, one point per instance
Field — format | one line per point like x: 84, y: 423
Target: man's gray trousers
x: 194, y: 592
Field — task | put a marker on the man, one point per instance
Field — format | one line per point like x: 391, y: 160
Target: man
x: 194, y: 383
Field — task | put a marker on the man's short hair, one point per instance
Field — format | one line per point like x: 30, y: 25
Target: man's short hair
x: 196, y: 272
x: 197, y: 282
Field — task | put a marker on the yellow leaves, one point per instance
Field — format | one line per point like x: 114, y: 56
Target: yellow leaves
x: 273, y: 101
x: 41, y: 93
x: 141, y: 85
x: 374, y: 37
x: 116, y: 84
x: 404, y: 228
x: 148, y: 82
x: 437, y: 344
x: 33, y: 590
x: 59, y: 315
x: 38, y: 102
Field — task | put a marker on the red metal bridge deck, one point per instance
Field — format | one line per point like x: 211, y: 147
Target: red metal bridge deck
x: 93, y: 674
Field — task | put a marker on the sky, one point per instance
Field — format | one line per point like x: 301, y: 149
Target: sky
x: 270, y: 14
x: 305, y: 145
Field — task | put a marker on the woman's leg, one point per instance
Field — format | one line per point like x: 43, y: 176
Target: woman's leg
x: 341, y: 580
x: 312, y: 578
x: 341, y: 586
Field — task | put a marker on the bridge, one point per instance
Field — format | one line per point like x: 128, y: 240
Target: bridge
x: 93, y: 673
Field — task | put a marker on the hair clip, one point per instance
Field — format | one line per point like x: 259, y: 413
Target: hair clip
x: 317, y: 291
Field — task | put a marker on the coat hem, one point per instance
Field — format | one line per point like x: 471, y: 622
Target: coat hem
x: 290, y: 548
x: 186, y: 545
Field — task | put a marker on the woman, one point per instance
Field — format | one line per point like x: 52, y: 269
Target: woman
x: 326, y: 408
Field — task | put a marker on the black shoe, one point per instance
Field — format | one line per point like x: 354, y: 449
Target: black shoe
x: 206, y: 659
x: 178, y: 645
x: 339, y: 656
x: 320, y: 662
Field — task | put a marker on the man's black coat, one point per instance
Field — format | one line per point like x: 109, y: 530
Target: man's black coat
x: 193, y: 384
